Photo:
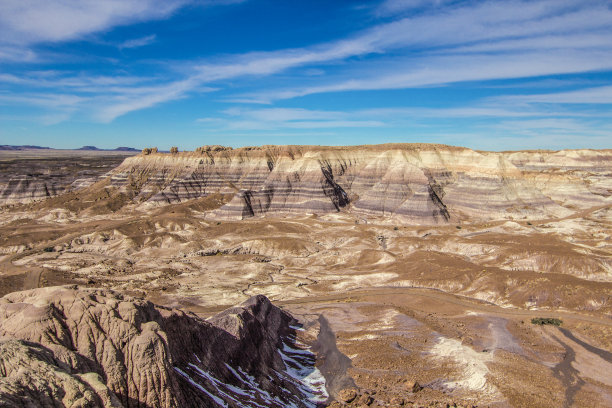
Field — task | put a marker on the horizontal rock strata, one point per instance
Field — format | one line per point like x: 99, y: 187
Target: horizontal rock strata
x: 32, y: 179
x: 423, y: 184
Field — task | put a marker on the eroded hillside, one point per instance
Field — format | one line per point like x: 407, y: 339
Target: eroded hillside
x: 418, y: 184
x: 403, y: 256
x: 65, y: 346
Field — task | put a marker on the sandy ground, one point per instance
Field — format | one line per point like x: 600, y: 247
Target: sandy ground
x: 461, y: 351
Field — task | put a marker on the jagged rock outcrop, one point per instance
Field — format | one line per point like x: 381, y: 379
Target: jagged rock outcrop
x: 65, y: 346
x: 421, y: 184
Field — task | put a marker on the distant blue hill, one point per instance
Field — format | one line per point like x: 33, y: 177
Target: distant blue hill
x: 126, y: 149
x: 89, y: 148
x: 24, y: 147
x: 118, y: 149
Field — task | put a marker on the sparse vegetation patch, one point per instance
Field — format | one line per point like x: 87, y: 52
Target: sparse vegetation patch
x: 541, y: 321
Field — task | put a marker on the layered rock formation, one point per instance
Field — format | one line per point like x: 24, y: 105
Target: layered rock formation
x: 64, y: 346
x: 27, y: 179
x: 423, y: 184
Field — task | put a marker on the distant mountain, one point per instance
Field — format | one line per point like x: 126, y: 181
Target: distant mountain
x: 87, y: 148
x: 24, y: 147
x: 118, y: 149
x: 126, y: 149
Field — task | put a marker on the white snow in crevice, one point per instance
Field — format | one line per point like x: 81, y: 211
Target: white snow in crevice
x: 300, y: 367
x: 300, y: 371
x: 230, y: 391
x: 218, y: 400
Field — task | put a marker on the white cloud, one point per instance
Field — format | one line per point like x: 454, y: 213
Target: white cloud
x: 31, y: 21
x: 508, y: 126
x: 74, y: 82
x: 103, y: 98
x: 596, y: 95
x: 392, y: 7
x: 287, y: 118
x: 143, y: 97
x: 285, y: 114
x: 491, y: 21
x: 489, y: 40
x: 16, y: 54
x: 46, y: 100
x: 138, y: 42
x: 479, y: 41
x: 441, y: 70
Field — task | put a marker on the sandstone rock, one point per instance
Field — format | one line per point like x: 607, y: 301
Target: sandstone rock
x: 412, y: 386
x: 348, y: 395
x: 88, y: 347
x: 366, y: 399
x: 397, y: 401
x: 30, y: 375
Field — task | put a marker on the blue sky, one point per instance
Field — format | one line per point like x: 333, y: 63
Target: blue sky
x: 493, y: 75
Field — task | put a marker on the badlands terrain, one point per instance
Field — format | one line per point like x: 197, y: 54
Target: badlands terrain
x: 399, y: 275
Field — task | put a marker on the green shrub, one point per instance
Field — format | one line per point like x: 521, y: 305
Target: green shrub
x: 546, y: 320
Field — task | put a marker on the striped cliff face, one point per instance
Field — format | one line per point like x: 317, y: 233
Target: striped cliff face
x: 424, y: 184
x: 33, y: 176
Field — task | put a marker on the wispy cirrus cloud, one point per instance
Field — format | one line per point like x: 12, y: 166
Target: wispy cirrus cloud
x: 138, y: 42
x: 592, y: 95
x: 448, y: 69
x: 9, y: 53
x: 286, y: 118
x: 486, y: 123
x: 134, y: 99
x: 73, y: 82
x: 486, y: 109
x: 33, y: 21
x: 25, y: 23
x: 488, y: 41
x: 392, y: 7
x: 469, y: 41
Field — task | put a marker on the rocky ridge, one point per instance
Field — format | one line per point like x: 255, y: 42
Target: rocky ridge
x: 76, y: 347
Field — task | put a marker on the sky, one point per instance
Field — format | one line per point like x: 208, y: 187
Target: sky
x: 490, y: 75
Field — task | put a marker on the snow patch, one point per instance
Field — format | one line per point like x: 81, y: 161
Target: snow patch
x: 247, y: 392
x: 217, y: 400
x: 300, y: 367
